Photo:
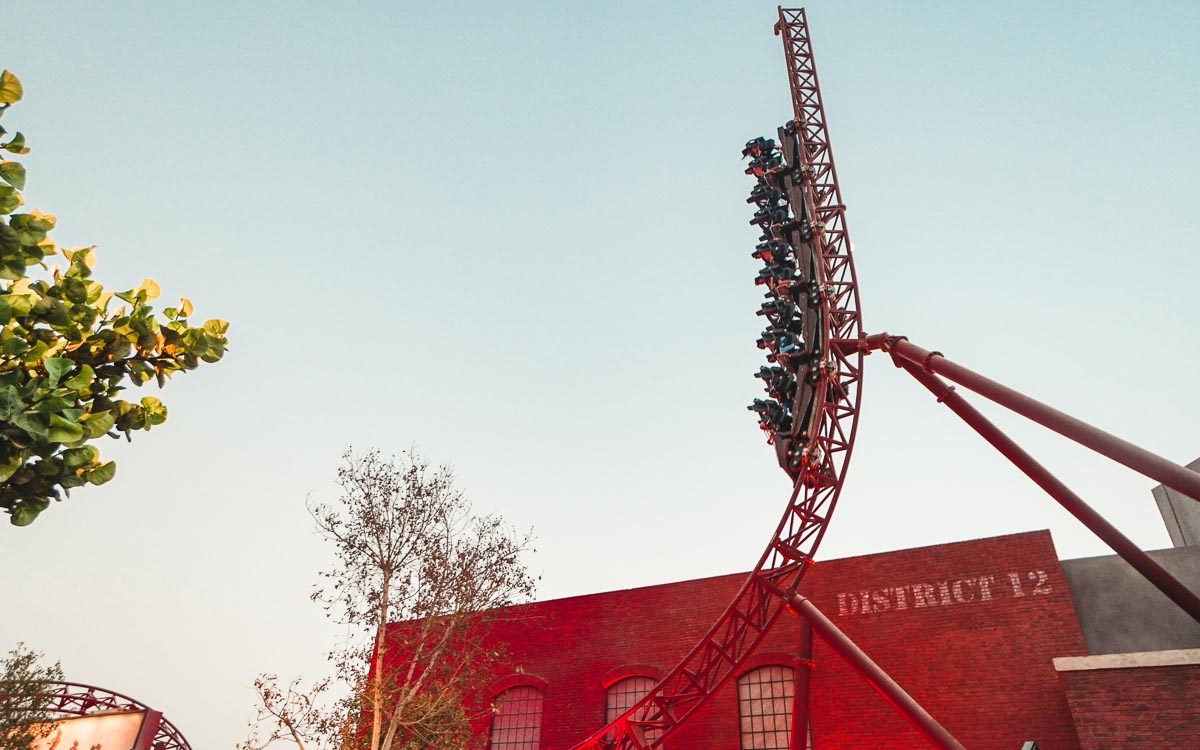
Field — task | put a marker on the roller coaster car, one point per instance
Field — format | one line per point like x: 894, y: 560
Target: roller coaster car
x: 769, y: 215
x: 774, y: 275
x: 756, y: 146
x: 788, y: 344
x: 761, y: 165
x: 765, y: 194
x: 772, y: 415
x: 771, y: 252
x: 779, y: 383
x: 785, y: 455
x: 776, y: 309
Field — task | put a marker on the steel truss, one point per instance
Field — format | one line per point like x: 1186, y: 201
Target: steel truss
x: 65, y: 700
x: 826, y: 451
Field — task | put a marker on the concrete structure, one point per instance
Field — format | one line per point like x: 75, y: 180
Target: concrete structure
x: 1120, y: 612
x: 1180, y: 513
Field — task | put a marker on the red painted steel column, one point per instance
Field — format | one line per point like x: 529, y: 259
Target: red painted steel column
x: 874, y: 674
x: 800, y: 701
x: 1122, y: 545
x: 151, y: 720
x: 1140, y: 460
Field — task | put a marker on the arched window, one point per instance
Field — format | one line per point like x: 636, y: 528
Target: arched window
x: 765, y: 707
x: 517, y: 719
x: 623, y: 694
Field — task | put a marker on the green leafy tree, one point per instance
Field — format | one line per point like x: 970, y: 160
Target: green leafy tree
x: 24, y: 718
x: 68, y: 349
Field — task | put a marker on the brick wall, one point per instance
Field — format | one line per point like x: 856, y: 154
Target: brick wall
x: 1137, y: 708
x: 969, y: 629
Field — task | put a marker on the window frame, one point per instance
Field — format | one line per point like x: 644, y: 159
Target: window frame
x: 529, y: 690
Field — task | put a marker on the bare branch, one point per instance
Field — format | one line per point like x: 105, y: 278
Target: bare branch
x: 416, y: 576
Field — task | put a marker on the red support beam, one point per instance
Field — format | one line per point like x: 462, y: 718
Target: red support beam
x: 149, y: 730
x: 1122, y: 545
x: 800, y: 700
x: 1144, y: 462
x: 874, y: 674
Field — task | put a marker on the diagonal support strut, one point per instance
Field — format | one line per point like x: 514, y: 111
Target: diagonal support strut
x: 1155, y: 573
x: 1144, y: 462
x: 921, y: 719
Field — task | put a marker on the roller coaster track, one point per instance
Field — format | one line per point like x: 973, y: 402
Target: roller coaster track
x: 57, y: 701
x: 815, y: 418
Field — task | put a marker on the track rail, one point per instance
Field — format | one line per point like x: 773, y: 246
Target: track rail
x: 822, y: 449
x: 63, y: 700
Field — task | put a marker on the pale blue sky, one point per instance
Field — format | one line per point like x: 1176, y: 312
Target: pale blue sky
x: 515, y: 235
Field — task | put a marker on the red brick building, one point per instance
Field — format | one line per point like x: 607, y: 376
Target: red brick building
x: 986, y: 634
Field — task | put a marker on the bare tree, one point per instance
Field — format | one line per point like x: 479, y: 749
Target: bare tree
x: 419, y: 576
x: 24, y: 718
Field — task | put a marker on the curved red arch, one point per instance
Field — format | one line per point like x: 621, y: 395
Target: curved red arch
x: 630, y: 670
x: 66, y: 699
x: 518, y: 679
x: 824, y: 444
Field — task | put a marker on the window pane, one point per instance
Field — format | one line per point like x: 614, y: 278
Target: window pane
x: 623, y: 694
x: 517, y: 719
x: 765, y: 707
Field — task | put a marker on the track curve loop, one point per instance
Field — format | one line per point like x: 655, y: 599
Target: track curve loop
x: 815, y: 441
x: 66, y: 700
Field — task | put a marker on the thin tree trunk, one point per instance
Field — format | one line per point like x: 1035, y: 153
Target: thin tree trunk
x: 377, y: 687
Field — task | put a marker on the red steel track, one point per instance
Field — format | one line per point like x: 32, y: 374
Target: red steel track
x: 64, y: 700
x: 825, y: 455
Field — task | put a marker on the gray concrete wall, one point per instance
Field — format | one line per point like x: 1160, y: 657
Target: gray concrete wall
x: 1121, y: 612
x: 1180, y: 513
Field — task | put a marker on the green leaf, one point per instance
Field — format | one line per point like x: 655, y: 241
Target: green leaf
x: 52, y: 404
x: 37, y: 425
x: 216, y: 327
x: 56, y: 367
x: 16, y: 145
x: 75, y: 289
x: 21, y: 304
x: 140, y: 372
x: 10, y: 465
x: 35, y: 222
x: 71, y: 479
x: 130, y: 416
x: 156, y: 413
x: 10, y: 88
x: 81, y: 379
x: 102, y: 473
x: 11, y: 403
x: 15, y: 345
x: 97, y: 423
x: 10, y: 199
x: 76, y: 457
x: 13, y: 173
x: 26, y: 511
x: 63, y: 430
x: 35, y: 353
